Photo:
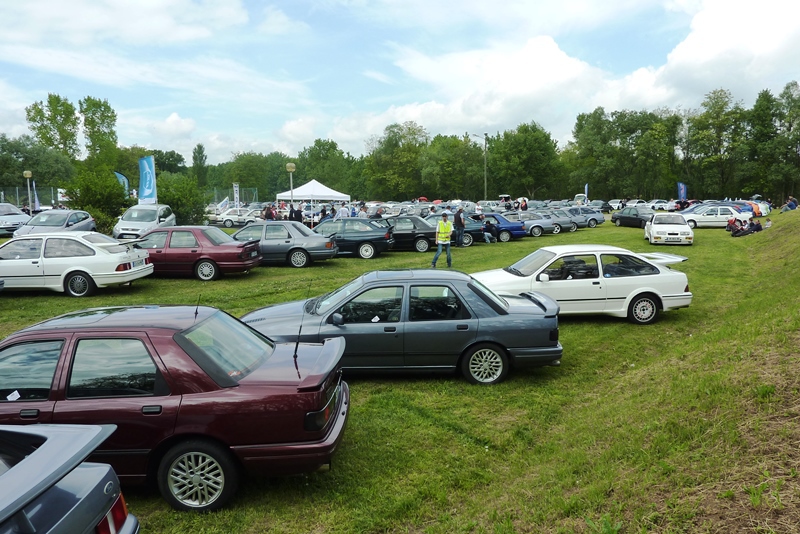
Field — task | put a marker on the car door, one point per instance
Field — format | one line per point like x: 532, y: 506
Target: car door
x: 574, y: 281
x: 276, y: 243
x: 183, y: 249
x: 624, y: 275
x: 725, y: 214
x: 252, y: 233
x: 28, y: 370
x: 21, y: 260
x: 404, y: 233
x: 62, y: 254
x: 373, y: 329
x: 118, y: 378
x: 335, y: 229
x: 439, y: 326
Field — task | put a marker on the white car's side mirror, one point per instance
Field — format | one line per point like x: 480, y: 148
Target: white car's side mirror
x: 544, y: 277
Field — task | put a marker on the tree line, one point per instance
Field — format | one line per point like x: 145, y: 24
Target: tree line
x: 721, y: 149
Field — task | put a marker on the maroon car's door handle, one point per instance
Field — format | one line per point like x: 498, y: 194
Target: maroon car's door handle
x: 389, y: 329
x: 151, y: 410
x: 462, y: 327
x: 194, y: 250
x: 29, y: 413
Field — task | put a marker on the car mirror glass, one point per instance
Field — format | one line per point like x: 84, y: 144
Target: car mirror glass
x: 337, y: 319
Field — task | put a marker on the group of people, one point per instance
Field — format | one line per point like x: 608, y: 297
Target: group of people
x: 445, y: 229
x: 742, y: 228
x: 791, y: 204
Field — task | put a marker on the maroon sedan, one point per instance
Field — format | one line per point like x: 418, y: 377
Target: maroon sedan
x: 202, y: 251
x: 198, y: 397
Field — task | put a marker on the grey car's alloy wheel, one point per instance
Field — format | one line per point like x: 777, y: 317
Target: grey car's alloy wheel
x: 78, y: 284
x: 467, y: 241
x: 485, y: 364
x: 422, y: 245
x: 535, y: 231
x: 592, y: 223
x: 366, y: 250
x: 299, y: 258
x: 573, y: 227
x: 197, y: 475
x: 643, y: 309
x: 556, y: 228
x: 206, y: 270
x: 505, y: 236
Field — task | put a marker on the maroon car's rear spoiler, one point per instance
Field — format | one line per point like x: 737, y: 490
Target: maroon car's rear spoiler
x: 328, y: 360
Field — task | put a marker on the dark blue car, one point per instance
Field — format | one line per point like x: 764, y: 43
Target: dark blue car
x: 505, y: 229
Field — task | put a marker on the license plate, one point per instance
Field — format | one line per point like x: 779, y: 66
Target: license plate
x: 673, y: 239
x: 253, y: 254
x: 138, y: 263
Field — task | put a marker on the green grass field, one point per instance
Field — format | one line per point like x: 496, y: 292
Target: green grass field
x: 687, y: 425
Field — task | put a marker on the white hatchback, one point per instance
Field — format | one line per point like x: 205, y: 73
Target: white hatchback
x: 71, y: 262
x: 668, y: 229
x: 597, y: 279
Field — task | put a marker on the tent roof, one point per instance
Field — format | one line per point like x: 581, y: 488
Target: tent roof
x: 313, y: 190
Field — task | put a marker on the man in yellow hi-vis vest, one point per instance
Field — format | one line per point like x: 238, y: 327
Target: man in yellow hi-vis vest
x: 444, y: 229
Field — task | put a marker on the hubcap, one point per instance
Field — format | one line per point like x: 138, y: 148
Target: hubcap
x: 644, y: 310
x: 206, y: 271
x: 196, y: 479
x: 485, y: 365
x: 366, y: 251
x: 298, y: 259
x: 78, y: 285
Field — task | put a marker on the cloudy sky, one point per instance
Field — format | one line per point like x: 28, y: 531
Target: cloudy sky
x: 245, y: 75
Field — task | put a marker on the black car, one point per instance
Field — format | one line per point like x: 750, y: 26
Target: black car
x: 635, y: 217
x: 422, y: 321
x: 288, y: 242
x: 365, y: 238
x: 601, y: 205
x: 411, y: 232
x: 473, y: 231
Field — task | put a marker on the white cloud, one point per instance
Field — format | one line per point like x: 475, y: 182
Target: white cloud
x: 276, y: 22
x: 378, y: 76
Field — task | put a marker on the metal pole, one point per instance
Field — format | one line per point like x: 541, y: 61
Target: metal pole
x: 485, y: 150
x: 27, y: 175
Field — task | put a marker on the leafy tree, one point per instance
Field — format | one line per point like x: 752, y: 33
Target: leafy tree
x: 55, y: 124
x: 183, y: 195
x: 49, y: 166
x: 101, y: 195
x: 324, y: 162
x: 452, y: 167
x: 525, y: 161
x: 169, y: 161
x: 199, y: 168
x: 99, y: 129
x: 392, y: 166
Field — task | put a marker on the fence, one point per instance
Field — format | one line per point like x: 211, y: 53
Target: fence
x: 48, y: 196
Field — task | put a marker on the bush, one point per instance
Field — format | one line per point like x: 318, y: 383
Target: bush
x: 183, y: 195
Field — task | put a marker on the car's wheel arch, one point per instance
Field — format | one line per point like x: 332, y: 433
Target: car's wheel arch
x: 483, y: 341
x: 645, y: 291
x: 160, y: 450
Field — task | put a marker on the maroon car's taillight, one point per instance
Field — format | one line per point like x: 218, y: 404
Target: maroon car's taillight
x: 114, y: 519
x: 316, y: 421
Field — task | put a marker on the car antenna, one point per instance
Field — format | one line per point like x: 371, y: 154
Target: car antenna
x: 197, y: 308
x: 300, y: 331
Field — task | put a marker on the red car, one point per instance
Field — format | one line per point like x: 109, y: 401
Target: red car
x: 198, y: 397
x: 202, y: 251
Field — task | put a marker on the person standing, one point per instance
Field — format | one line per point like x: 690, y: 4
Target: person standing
x: 459, y: 224
x: 378, y: 214
x: 363, y: 213
x: 444, y: 231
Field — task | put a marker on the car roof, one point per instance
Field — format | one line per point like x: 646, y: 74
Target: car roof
x: 127, y: 317
x: 68, y: 235
x: 148, y: 206
x: 417, y: 275
x: 561, y: 249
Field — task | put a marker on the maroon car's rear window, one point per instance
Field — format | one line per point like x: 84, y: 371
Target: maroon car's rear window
x: 225, y: 348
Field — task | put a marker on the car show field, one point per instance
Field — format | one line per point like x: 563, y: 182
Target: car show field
x: 669, y: 427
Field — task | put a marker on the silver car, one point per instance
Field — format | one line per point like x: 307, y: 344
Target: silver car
x: 288, y: 242
x: 11, y: 218
x: 57, y: 220
x: 142, y: 218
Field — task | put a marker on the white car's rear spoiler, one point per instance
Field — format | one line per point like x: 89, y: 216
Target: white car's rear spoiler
x: 663, y: 258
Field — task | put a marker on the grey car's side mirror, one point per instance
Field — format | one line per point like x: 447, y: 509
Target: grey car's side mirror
x: 337, y: 319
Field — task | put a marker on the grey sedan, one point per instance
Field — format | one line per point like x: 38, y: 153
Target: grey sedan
x: 423, y: 320
x: 57, y: 220
x: 288, y: 242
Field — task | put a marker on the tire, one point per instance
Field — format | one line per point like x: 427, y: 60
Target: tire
x: 78, y: 284
x: 536, y: 231
x: 198, y: 475
x: 592, y: 223
x: 299, y: 258
x: 692, y: 224
x: 556, y: 228
x: 468, y: 240
x: 366, y: 250
x: 505, y: 236
x: 642, y: 224
x: 228, y: 223
x: 485, y: 364
x: 422, y: 245
x: 643, y: 309
x: 206, y: 270
x: 618, y: 222
x: 573, y: 227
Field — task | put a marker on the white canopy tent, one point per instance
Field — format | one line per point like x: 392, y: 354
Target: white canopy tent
x: 313, y: 191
